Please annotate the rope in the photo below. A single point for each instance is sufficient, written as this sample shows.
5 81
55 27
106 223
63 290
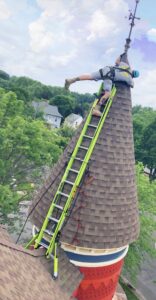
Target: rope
26 220
19 250
78 220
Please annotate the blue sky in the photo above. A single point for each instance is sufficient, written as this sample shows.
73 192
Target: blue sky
50 40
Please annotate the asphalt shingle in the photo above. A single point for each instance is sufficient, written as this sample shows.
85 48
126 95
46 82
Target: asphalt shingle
26 275
106 210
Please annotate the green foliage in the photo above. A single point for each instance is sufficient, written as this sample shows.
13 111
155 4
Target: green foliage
30 90
25 146
144 246
65 104
9 107
8 199
148 145
66 132
4 75
128 291
83 103
144 120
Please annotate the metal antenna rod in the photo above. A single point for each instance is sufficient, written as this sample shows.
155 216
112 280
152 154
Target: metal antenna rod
132 17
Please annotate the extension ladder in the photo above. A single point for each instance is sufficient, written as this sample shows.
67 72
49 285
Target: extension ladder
61 205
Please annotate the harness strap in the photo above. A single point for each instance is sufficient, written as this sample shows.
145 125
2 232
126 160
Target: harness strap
111 73
101 73
123 70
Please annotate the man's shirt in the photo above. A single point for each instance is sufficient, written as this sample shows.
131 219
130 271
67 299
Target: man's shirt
119 76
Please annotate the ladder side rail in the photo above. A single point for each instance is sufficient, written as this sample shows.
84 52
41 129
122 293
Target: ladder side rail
96 135
81 171
46 221
100 125
31 241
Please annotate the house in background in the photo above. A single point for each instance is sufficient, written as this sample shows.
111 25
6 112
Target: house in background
50 113
73 120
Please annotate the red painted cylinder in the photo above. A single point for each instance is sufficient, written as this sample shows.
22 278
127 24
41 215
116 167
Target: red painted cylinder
99 283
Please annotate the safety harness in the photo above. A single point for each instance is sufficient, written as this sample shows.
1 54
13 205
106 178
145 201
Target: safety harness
111 73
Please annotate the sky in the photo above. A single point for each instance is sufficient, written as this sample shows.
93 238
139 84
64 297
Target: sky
50 40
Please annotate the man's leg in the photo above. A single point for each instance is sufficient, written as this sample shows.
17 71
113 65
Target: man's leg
104 97
68 82
96 110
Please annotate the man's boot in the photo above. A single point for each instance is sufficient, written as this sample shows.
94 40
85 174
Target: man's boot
68 82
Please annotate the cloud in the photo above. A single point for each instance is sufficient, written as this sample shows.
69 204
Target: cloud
100 26
144 90
64 28
146 47
152 34
41 38
50 40
50 31
106 21
5 12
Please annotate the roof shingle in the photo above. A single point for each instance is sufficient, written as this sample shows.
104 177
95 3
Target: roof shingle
26 275
105 213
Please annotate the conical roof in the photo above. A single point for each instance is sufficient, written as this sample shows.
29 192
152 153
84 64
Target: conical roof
105 214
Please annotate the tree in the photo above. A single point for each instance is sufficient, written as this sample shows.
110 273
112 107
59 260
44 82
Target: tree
8 200
9 107
65 104
66 132
143 248
142 118
26 145
4 75
29 90
148 145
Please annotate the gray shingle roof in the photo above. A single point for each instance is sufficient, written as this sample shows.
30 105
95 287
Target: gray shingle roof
72 118
106 213
46 108
26 274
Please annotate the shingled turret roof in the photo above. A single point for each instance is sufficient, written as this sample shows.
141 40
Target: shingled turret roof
26 274
105 213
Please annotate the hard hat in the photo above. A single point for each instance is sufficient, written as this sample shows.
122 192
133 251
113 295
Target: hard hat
135 74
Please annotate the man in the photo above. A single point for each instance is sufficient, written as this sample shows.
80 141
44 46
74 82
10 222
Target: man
120 72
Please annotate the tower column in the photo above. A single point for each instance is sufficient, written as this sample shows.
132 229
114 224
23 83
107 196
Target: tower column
99 283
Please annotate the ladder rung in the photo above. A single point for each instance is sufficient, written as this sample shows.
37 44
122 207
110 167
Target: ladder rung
58 206
69 182
73 170
53 219
91 125
78 158
48 232
63 194
88 136
84 148
44 245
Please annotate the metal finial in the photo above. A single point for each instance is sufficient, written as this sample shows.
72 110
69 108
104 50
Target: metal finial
132 17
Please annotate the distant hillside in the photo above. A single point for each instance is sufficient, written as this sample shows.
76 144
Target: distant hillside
29 90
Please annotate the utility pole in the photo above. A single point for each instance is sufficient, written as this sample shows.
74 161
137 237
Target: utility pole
132 17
